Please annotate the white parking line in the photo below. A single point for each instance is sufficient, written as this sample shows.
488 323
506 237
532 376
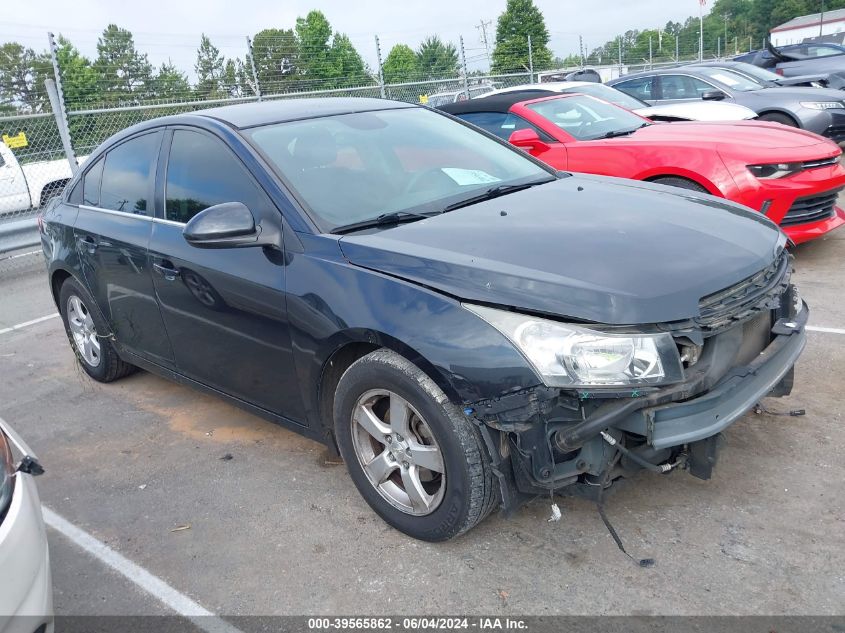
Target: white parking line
828 330
153 585
20 326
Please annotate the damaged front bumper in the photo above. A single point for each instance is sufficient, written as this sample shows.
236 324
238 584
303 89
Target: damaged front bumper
680 423
549 439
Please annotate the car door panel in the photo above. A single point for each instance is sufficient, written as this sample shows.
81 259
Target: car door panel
224 309
112 248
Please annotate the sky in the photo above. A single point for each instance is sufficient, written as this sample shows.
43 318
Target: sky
170 29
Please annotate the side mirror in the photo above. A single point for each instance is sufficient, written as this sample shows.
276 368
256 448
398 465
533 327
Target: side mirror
226 225
527 139
713 95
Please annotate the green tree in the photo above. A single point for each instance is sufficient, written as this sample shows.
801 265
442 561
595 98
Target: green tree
276 54
400 65
348 67
436 59
520 19
209 68
19 90
170 83
313 33
123 73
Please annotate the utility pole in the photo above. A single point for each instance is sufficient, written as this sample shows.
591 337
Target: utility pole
701 30
821 19
482 27
581 48
256 87
726 16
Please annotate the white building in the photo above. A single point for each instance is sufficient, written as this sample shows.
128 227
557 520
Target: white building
813 25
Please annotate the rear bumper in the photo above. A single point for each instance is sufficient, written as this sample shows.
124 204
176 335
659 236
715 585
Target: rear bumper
26 590
679 423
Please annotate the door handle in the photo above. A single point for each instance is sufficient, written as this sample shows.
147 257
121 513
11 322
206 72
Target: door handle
170 274
88 242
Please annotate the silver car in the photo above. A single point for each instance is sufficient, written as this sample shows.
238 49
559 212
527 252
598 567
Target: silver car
819 110
694 111
26 587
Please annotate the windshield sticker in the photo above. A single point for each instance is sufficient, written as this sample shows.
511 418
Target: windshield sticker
469 176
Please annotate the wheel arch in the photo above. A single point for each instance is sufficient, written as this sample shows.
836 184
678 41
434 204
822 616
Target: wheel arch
684 174
784 113
353 345
58 277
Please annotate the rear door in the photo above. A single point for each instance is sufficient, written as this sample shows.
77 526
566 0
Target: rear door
112 233
224 309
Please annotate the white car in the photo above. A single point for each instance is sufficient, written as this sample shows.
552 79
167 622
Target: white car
29 186
691 111
26 587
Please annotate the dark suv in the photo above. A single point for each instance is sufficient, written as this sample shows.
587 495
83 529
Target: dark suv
466 326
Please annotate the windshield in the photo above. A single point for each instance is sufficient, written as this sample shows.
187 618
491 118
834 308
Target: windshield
354 167
586 118
761 74
607 93
731 80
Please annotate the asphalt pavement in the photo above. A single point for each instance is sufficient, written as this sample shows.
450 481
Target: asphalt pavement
244 517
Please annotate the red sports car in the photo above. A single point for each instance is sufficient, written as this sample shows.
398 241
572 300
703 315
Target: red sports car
792 176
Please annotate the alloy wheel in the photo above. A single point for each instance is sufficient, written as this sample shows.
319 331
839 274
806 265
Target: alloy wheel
398 453
83 331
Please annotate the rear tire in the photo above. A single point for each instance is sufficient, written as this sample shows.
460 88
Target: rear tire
680 183
391 421
89 335
774 117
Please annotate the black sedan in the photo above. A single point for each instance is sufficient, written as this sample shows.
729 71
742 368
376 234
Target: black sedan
819 110
466 326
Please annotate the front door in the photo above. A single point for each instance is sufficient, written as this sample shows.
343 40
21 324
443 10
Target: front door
112 234
224 309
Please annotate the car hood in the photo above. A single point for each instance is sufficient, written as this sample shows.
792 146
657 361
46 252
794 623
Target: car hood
755 139
590 248
699 111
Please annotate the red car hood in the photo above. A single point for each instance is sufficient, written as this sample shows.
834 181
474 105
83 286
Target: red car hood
754 137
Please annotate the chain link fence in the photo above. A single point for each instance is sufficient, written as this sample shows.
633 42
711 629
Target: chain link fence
99 101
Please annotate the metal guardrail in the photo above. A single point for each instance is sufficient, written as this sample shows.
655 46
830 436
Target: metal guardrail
19 234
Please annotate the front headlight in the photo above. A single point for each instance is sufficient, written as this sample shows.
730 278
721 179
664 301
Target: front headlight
7 475
775 170
823 105
566 355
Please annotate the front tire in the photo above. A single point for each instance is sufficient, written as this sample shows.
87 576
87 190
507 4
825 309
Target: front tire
774 117
413 455
89 335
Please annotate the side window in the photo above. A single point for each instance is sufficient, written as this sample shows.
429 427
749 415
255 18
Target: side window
640 88
682 87
91 185
75 195
202 172
700 87
127 175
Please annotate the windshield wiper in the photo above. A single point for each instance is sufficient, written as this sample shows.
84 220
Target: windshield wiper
494 192
617 133
385 219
